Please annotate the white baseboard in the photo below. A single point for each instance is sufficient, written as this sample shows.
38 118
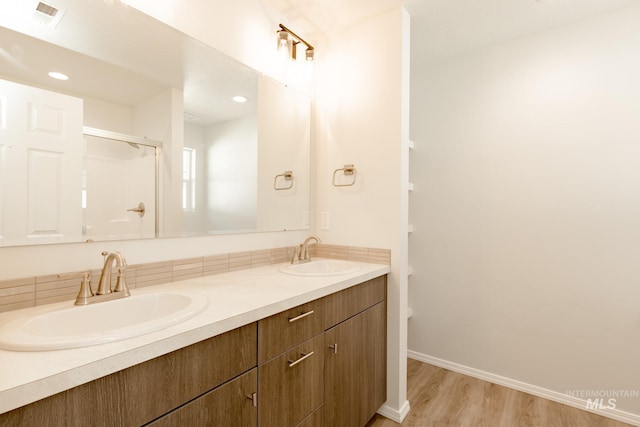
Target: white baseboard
555 396
395 414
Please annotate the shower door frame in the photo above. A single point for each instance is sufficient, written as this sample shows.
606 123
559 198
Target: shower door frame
156 145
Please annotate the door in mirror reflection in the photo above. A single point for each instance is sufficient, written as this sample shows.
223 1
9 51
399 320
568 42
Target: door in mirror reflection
40 165
119 189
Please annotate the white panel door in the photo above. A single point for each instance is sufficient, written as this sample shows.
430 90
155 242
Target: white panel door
41 153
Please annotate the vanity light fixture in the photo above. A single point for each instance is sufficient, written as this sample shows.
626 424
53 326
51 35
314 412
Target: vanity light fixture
240 98
288 42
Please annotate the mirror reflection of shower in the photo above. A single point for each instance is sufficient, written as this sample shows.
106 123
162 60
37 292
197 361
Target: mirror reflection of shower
120 174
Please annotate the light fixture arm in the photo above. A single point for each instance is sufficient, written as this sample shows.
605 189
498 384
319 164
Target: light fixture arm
298 39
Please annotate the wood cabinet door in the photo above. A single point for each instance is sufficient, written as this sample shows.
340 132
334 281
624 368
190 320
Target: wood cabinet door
355 368
231 404
291 386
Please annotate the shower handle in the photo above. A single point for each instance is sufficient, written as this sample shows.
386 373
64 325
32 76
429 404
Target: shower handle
140 209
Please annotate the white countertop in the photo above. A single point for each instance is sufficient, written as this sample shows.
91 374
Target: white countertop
235 299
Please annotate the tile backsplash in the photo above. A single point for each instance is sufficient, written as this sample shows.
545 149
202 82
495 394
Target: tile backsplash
28 292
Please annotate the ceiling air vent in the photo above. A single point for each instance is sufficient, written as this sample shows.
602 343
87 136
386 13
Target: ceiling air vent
47 9
48 14
188 117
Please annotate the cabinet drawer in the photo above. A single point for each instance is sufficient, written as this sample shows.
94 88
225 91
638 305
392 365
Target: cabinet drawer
291 386
231 404
351 301
287 329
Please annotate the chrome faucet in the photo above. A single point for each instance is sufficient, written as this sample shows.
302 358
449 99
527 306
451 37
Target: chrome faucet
301 253
104 291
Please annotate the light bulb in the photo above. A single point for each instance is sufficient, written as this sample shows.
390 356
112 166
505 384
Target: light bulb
283 40
309 53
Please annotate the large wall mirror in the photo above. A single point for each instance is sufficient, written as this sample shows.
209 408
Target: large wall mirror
153 134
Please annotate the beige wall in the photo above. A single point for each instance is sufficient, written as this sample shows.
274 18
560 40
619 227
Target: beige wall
527 209
360 96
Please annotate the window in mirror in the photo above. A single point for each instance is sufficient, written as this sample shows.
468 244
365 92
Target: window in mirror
188 179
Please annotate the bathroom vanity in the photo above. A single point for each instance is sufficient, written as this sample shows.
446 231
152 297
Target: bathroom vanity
270 349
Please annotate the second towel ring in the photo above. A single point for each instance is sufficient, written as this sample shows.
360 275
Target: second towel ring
347 170
288 176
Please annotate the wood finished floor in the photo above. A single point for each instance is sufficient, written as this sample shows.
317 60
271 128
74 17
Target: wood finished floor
442 398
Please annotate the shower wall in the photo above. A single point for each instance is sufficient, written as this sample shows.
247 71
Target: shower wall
117 177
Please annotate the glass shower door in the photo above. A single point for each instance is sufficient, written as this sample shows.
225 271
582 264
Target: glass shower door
119 189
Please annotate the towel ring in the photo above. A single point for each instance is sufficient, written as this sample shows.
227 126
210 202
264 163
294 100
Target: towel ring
288 176
347 170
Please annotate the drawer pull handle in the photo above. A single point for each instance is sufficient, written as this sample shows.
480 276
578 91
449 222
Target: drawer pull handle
303 315
304 356
335 348
253 397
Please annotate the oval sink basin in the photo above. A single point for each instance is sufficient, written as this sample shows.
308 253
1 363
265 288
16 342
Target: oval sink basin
99 323
321 267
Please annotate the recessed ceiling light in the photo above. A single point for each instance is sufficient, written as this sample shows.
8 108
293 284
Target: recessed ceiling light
58 76
240 98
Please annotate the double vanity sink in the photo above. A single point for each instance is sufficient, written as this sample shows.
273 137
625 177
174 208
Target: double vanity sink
95 340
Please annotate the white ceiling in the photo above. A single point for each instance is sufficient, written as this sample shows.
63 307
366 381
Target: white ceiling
445 27
315 18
